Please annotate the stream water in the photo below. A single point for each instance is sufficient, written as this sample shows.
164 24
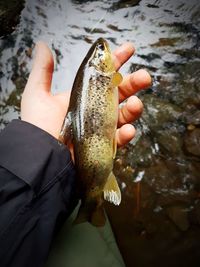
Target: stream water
158 222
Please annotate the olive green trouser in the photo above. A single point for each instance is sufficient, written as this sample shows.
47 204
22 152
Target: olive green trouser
84 245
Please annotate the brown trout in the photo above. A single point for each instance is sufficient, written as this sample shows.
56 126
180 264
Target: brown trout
91 125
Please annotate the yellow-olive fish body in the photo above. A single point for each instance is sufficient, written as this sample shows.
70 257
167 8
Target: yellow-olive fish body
92 122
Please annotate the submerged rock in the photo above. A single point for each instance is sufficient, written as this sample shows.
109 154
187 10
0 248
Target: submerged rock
191 127
179 216
9 15
170 141
192 118
184 89
124 3
163 176
166 42
192 142
158 112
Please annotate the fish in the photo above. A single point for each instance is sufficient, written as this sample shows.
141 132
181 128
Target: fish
90 125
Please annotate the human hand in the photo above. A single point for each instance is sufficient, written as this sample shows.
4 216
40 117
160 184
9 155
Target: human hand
47 111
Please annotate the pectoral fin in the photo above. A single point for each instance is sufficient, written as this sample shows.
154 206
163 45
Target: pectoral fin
66 131
116 79
111 190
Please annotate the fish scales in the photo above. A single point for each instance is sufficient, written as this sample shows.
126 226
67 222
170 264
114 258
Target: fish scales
92 121
94 155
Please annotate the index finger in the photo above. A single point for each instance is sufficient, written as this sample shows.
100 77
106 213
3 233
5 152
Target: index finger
134 82
122 54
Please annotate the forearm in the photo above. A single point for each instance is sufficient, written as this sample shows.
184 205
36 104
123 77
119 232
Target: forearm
37 185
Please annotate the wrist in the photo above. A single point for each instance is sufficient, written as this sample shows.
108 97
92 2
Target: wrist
43 125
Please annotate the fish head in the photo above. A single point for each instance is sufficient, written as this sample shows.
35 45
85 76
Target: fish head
100 57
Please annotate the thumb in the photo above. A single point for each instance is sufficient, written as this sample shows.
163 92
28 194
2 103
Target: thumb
63 98
41 74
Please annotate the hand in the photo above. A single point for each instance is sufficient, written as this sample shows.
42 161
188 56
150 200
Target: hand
47 111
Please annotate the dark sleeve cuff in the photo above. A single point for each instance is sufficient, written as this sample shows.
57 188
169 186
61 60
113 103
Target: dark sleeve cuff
33 155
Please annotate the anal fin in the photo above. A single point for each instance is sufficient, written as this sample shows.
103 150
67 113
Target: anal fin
111 190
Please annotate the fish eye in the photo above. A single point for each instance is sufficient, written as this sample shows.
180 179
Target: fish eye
101 46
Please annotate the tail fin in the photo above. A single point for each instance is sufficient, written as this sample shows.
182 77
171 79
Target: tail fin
94 216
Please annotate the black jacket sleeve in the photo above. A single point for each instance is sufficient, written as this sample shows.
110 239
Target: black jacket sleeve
37 193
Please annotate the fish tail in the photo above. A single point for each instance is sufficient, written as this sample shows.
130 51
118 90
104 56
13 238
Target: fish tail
98 217
95 216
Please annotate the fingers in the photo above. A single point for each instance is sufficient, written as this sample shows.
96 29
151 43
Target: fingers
125 134
122 54
130 111
41 74
133 83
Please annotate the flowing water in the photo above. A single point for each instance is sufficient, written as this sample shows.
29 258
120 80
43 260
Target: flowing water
158 222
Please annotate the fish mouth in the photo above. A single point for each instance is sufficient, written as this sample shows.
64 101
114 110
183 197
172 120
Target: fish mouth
101 45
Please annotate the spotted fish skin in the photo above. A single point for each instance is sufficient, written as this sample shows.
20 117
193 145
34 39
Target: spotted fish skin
92 117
